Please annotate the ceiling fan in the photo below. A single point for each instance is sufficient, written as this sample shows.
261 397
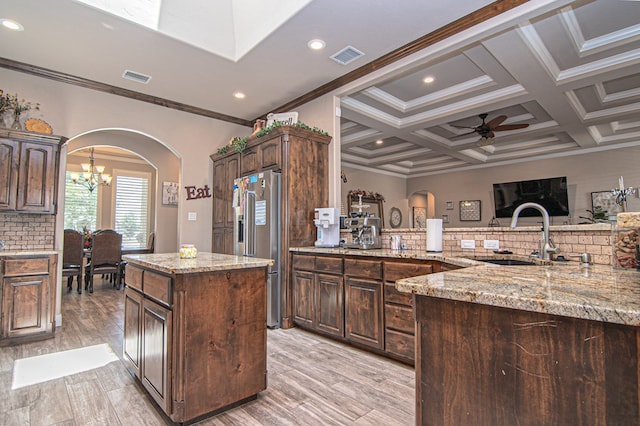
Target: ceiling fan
486 130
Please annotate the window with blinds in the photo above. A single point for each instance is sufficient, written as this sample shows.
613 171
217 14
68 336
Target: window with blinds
80 206
131 208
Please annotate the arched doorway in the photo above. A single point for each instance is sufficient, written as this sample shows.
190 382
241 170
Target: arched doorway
421 207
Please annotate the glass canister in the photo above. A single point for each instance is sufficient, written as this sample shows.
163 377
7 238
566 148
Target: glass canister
188 251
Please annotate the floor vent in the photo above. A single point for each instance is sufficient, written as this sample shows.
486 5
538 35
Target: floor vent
347 55
136 76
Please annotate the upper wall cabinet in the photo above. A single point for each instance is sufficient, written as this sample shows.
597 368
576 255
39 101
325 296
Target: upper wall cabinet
28 171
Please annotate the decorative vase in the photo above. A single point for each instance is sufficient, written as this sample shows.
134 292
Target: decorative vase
7 119
16 122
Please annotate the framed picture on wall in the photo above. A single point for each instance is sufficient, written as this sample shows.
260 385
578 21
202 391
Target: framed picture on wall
470 210
170 193
419 217
607 201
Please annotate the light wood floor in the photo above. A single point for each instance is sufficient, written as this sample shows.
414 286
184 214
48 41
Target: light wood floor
311 380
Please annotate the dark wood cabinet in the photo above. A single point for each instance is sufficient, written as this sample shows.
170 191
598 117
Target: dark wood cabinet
399 327
28 298
318 294
196 341
364 312
28 171
225 170
302 158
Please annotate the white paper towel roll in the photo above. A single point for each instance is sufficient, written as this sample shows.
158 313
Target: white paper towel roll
434 234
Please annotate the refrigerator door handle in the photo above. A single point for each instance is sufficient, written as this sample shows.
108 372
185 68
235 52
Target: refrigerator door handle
250 224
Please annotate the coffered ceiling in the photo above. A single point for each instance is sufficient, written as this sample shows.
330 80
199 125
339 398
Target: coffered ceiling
572 75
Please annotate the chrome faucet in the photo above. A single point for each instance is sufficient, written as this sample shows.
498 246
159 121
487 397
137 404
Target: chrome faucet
547 248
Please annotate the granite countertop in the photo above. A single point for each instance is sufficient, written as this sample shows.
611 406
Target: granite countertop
388 253
205 262
4 253
597 292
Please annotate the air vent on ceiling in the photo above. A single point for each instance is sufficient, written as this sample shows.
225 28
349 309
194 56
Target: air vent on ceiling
136 76
347 55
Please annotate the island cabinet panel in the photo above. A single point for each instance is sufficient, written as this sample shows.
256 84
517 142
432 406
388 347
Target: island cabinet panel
196 341
131 347
27 298
28 171
481 364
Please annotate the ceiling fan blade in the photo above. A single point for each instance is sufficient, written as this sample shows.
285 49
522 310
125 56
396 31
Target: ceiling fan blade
465 134
496 121
510 127
461 127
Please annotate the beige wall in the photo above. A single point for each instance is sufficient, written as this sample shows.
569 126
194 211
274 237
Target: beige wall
597 171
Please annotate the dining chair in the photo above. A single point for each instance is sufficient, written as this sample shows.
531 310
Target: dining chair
72 257
106 256
151 241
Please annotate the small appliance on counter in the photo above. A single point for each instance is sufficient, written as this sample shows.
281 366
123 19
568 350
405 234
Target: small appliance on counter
327 220
365 232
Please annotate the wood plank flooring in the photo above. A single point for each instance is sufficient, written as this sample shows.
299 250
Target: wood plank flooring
311 380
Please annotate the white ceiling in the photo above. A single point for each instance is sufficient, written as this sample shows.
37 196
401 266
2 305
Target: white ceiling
572 74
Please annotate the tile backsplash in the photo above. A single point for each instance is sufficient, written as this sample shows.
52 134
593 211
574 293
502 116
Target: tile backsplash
27 231
571 239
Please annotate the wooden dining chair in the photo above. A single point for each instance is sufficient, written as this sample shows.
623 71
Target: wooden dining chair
72 257
106 256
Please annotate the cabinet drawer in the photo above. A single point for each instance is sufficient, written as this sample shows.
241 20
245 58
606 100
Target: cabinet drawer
133 277
157 286
363 268
26 266
329 264
397 271
392 295
399 318
399 343
304 262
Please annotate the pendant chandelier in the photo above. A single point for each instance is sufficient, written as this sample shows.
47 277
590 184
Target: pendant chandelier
91 175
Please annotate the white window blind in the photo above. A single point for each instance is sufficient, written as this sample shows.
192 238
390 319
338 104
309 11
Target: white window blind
132 209
80 206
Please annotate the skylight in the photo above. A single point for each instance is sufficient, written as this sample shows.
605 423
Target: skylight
227 28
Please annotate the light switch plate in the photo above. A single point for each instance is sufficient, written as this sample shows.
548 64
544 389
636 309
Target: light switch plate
468 244
192 216
492 244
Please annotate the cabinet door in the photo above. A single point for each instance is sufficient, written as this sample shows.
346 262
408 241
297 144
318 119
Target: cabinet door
364 311
25 306
8 174
132 348
270 154
250 161
219 182
156 352
232 172
329 306
303 298
36 178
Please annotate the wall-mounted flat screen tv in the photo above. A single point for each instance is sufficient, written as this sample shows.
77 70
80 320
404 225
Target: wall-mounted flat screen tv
550 193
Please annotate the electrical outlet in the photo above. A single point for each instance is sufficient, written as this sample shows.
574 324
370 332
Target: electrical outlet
468 244
492 244
192 216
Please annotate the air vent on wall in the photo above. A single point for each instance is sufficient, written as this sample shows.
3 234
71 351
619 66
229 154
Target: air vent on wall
347 55
136 76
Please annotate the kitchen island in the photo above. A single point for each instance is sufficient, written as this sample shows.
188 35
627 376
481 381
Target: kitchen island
195 330
544 344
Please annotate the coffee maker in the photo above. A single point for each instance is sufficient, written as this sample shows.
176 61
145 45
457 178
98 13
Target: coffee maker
365 231
327 220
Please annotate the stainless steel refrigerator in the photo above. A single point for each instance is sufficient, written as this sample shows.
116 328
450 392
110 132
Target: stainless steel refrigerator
256 201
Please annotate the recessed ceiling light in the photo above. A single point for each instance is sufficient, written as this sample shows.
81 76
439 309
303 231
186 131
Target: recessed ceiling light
11 25
428 79
379 142
316 44
239 95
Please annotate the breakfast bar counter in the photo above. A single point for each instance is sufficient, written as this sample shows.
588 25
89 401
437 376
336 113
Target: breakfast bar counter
538 344
195 330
